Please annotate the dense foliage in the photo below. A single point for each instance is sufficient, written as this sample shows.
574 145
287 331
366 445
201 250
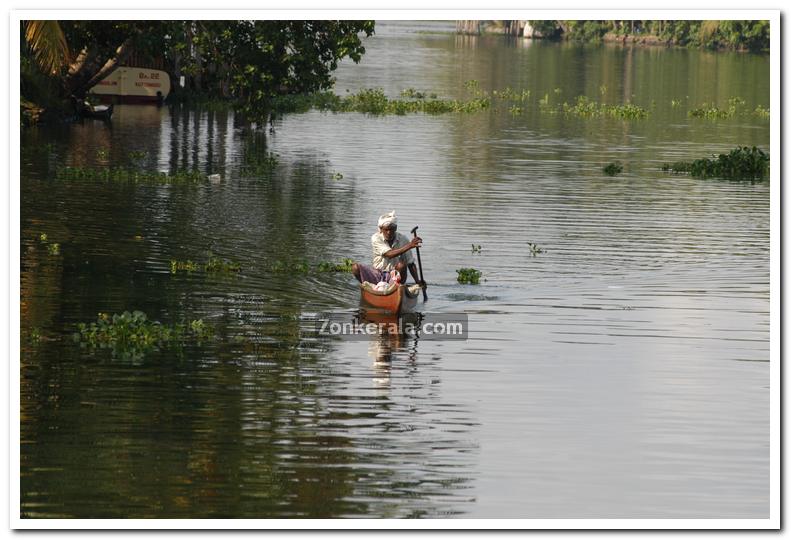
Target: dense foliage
248 62
741 163
740 35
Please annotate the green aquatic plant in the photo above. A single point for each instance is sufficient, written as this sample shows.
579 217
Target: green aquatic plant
132 334
761 112
515 110
126 175
611 169
603 89
711 112
740 163
508 94
534 249
290 267
221 266
182 266
675 103
412 93
102 153
337 176
53 248
34 336
476 249
584 107
344 266
374 101
137 154
468 275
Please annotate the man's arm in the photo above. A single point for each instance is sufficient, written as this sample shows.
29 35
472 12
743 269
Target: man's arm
415 242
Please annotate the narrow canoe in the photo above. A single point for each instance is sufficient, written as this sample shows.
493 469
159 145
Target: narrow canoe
101 112
396 299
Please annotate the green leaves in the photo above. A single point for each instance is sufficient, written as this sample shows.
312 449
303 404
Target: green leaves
468 275
611 169
131 334
741 163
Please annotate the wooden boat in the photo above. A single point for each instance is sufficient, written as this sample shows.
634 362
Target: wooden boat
100 112
395 299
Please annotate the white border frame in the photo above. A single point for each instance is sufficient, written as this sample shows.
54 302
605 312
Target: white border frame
772 522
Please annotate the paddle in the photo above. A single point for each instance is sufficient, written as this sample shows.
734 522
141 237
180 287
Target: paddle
420 265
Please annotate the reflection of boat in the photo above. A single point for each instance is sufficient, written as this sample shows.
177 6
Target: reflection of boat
100 112
389 320
395 299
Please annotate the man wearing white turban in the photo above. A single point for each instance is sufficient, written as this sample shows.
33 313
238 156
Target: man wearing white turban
391 251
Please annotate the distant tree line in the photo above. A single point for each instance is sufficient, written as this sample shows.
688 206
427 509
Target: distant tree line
736 35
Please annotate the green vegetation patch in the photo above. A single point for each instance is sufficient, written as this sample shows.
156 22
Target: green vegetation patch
132 334
587 108
344 266
121 174
611 169
183 266
53 248
300 266
221 266
761 111
468 275
740 164
215 265
374 101
713 112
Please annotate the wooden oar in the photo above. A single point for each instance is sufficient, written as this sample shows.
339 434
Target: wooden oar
420 265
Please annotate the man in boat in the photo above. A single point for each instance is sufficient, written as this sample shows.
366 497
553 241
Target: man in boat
391 251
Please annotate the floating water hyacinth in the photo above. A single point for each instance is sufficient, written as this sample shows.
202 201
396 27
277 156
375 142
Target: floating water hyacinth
468 275
132 334
217 265
183 266
344 266
126 175
611 169
740 163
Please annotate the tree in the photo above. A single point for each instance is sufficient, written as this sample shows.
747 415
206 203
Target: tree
256 61
251 62
48 45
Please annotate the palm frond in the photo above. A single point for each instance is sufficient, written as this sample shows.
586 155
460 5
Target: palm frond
48 43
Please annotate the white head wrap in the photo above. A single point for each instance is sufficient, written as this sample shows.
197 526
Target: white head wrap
388 219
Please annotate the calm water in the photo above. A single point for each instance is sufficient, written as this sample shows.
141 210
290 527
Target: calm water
622 373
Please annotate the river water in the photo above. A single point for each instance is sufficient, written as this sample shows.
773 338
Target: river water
623 372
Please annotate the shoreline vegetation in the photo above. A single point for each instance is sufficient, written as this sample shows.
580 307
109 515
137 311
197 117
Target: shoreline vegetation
732 35
258 68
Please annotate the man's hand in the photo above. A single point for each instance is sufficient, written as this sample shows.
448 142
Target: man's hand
415 242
